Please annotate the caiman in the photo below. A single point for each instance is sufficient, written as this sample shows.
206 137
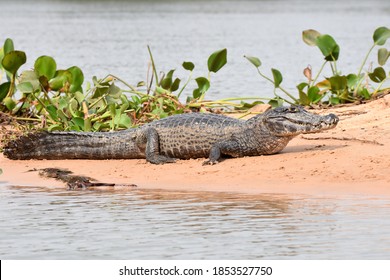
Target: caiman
192 135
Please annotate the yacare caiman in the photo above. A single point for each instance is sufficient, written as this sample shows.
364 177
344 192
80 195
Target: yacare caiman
193 135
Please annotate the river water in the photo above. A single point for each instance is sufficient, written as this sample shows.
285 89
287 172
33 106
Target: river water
111 37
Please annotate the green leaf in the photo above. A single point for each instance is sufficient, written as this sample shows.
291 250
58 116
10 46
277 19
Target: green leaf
301 86
217 60
114 91
79 97
254 60
276 102
45 66
25 87
77 79
124 121
188 65
328 47
175 85
55 127
378 75
310 37
383 55
365 94
52 110
31 77
203 86
13 60
60 80
4 88
9 103
8 46
338 83
1 171
166 83
278 78
79 122
352 80
381 35
313 94
303 98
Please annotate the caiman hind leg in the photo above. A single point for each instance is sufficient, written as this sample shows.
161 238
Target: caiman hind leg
152 152
231 148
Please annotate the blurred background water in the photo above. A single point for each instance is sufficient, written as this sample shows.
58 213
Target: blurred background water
105 37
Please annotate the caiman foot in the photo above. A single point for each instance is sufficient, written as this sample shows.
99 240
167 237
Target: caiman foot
210 162
159 159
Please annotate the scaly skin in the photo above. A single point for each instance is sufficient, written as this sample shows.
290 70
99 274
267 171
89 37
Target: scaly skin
178 137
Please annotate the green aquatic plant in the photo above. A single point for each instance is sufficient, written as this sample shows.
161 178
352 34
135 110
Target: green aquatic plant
337 88
59 100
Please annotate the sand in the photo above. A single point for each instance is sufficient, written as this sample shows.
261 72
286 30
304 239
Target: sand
352 159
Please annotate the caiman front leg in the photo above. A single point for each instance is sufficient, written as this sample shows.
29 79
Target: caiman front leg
152 152
231 148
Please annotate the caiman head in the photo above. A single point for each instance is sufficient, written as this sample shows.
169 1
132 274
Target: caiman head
294 120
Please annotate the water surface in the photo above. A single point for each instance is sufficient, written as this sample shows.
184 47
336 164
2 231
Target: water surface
42 223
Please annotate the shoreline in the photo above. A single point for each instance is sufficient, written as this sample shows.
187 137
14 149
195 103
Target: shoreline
353 158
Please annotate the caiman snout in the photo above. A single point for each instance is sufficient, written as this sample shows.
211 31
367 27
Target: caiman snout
331 119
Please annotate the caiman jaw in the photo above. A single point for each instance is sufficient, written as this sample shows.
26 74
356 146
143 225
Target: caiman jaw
302 122
325 123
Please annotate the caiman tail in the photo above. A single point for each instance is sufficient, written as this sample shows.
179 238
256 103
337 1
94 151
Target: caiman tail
73 145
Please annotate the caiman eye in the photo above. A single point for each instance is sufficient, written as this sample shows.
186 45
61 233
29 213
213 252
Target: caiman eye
293 109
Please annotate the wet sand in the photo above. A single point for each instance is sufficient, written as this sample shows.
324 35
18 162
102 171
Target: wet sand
353 158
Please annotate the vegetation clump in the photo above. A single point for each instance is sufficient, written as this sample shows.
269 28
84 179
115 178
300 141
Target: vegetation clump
338 88
54 98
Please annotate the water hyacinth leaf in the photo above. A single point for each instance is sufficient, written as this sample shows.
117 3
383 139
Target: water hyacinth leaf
175 85
77 79
338 83
25 87
31 77
73 107
166 83
302 86
8 46
276 102
188 65
60 80
203 86
9 103
383 55
79 97
217 60
310 37
381 35
13 60
365 93
378 75
328 47
114 91
52 110
352 80
313 94
124 121
4 88
78 123
170 73
62 103
254 60
45 66
325 84
278 78
303 98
